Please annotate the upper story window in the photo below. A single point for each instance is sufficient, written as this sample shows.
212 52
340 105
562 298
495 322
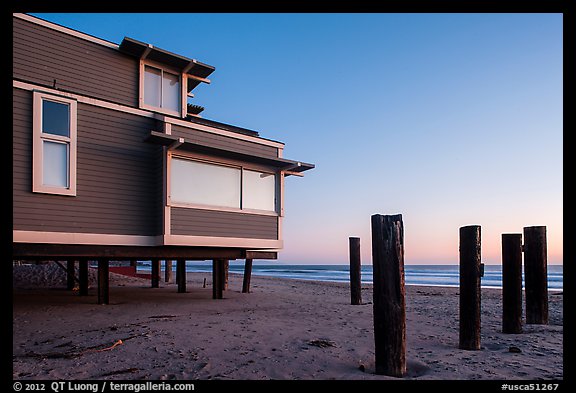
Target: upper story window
161 90
54 145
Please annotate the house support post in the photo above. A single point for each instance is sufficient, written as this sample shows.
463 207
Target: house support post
470 295
155 276
217 278
70 274
536 275
83 277
103 281
247 276
225 272
355 272
181 275
512 283
168 270
389 305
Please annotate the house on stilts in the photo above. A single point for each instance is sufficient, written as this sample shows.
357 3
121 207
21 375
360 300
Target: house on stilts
111 162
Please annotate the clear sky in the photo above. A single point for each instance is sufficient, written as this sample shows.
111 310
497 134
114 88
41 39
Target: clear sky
448 119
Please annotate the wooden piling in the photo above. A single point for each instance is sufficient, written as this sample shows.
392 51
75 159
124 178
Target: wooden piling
181 275
103 281
83 277
225 271
470 295
512 283
389 307
155 276
247 276
536 275
70 274
217 278
355 271
168 270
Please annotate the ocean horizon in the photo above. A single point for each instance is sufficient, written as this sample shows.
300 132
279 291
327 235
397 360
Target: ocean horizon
427 275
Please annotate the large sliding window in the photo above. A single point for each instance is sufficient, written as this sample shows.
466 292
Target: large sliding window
161 89
207 184
54 145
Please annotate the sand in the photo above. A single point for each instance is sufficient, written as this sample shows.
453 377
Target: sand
282 330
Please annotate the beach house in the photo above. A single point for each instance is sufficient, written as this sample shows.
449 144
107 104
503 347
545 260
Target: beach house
112 160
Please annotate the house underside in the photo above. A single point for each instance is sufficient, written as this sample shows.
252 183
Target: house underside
83 255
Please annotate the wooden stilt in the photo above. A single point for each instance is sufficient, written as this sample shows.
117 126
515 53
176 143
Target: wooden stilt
389 305
155 276
83 277
247 276
181 275
103 281
225 272
470 295
217 278
70 274
168 270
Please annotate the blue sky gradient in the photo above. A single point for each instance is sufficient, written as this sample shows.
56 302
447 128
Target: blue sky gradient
448 119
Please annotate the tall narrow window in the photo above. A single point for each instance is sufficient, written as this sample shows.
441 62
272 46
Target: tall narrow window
161 89
54 145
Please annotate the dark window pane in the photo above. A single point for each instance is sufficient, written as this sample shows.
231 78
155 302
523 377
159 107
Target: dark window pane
55 118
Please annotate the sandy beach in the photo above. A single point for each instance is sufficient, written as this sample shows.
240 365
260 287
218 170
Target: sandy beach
282 330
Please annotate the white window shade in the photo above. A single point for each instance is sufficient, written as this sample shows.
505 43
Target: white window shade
152 86
171 91
258 190
206 184
55 164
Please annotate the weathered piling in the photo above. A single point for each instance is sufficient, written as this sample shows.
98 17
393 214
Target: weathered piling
512 283
83 277
70 274
389 307
155 276
181 275
103 281
247 276
225 272
470 295
536 275
355 271
168 270
217 278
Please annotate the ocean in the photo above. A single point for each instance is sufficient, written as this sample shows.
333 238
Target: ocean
439 275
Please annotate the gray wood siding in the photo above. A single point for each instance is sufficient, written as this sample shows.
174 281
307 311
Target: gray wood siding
119 177
224 142
198 222
41 55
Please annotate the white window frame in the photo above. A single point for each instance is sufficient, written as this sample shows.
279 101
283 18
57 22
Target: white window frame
38 138
181 80
241 167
